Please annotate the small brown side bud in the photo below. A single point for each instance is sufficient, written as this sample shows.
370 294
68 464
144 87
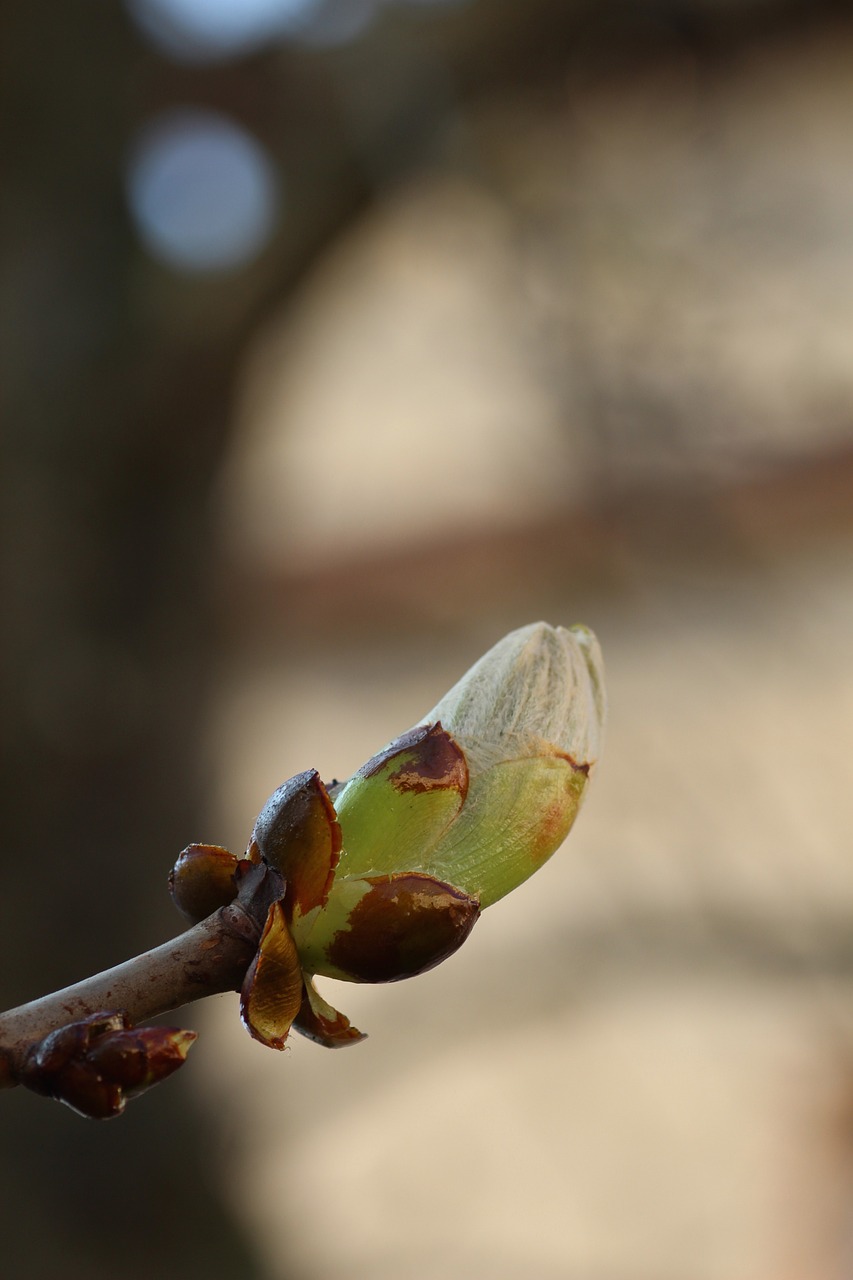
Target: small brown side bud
85 1091
95 1065
140 1057
49 1057
202 880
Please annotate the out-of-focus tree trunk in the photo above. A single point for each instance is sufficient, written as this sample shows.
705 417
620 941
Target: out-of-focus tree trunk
112 429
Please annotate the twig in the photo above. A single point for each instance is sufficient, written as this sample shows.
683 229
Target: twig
209 958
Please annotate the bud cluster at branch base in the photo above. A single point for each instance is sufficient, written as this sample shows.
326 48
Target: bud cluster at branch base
96 1064
388 880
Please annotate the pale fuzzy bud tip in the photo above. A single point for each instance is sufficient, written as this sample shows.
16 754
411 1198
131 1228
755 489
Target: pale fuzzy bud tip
538 685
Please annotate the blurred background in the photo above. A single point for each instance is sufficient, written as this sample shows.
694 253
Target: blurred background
340 337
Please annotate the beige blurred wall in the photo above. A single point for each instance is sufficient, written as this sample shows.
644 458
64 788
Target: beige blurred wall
604 375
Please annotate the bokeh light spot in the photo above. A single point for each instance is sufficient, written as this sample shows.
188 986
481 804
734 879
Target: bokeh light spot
202 191
337 22
206 30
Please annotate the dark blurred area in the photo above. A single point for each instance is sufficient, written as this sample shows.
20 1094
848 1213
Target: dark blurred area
178 178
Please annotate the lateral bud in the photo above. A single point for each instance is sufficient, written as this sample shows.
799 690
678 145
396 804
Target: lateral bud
203 879
95 1065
